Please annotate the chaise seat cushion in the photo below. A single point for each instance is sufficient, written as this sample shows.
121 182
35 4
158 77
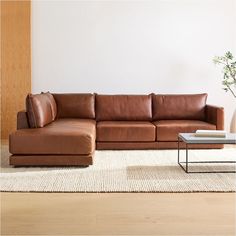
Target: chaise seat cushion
63 136
167 130
123 131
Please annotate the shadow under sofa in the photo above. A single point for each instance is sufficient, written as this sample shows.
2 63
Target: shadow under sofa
66 129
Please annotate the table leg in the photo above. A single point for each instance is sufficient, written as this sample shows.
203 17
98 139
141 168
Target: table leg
186 158
178 149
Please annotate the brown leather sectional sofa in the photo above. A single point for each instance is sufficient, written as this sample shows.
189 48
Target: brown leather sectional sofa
65 129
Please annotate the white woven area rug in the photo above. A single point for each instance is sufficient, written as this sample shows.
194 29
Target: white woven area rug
124 171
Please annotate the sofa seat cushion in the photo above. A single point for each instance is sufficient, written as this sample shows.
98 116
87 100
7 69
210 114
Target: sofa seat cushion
123 131
63 136
168 130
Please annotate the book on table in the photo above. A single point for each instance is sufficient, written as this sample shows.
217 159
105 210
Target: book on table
211 133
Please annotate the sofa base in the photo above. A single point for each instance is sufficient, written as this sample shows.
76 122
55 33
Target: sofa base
51 160
126 145
151 145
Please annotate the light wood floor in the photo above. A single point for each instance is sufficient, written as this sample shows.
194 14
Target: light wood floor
118 214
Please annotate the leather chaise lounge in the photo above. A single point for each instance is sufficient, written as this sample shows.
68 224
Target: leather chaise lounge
65 129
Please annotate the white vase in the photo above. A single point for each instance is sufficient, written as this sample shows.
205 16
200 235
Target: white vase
233 123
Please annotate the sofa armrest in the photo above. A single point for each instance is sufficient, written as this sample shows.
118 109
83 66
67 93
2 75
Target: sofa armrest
22 120
215 115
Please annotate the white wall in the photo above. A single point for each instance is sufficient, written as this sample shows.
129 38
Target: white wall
162 46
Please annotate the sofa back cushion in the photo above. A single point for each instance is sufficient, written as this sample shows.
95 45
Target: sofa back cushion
123 107
72 105
41 109
53 104
177 107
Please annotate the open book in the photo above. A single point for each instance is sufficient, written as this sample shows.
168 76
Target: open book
211 133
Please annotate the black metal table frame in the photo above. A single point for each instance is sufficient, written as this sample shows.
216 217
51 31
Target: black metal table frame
186 167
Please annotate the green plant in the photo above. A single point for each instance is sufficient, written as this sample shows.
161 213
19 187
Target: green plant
229 71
